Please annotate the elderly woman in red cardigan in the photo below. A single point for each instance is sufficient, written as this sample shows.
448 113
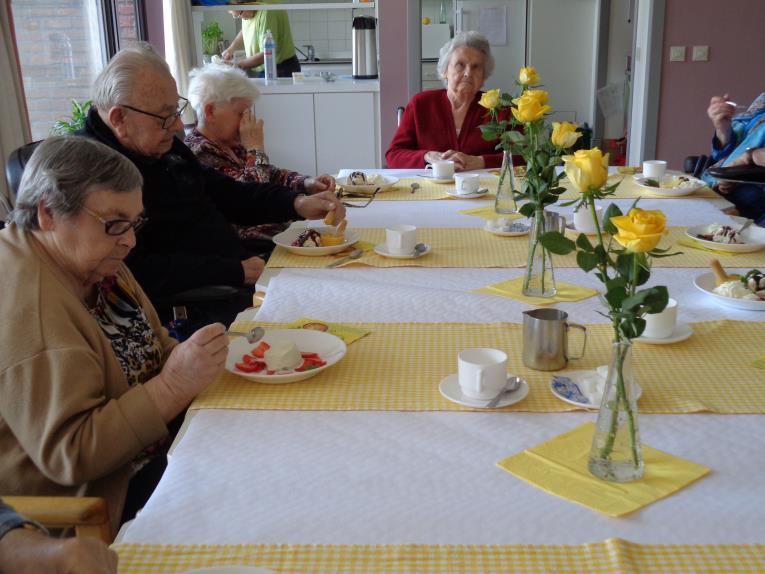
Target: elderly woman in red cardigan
443 124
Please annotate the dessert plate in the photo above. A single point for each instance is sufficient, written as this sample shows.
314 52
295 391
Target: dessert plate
382 249
480 193
682 332
569 387
285 239
329 348
706 282
515 229
754 239
450 389
688 189
382 182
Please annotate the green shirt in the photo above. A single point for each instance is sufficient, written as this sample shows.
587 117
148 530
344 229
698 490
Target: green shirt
254 34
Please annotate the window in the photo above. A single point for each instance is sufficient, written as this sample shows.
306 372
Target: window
63 45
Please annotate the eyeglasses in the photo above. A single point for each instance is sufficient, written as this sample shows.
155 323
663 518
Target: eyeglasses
118 226
341 193
167 121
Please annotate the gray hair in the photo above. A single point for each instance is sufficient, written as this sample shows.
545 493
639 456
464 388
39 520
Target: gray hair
219 84
470 39
117 80
63 171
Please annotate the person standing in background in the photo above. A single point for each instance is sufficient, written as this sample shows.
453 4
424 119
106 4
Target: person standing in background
252 37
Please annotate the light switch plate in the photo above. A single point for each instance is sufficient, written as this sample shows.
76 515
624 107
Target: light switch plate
700 53
677 53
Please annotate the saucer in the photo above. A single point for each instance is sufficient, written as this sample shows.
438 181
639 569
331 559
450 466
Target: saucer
435 179
481 192
566 387
515 229
450 389
681 333
382 249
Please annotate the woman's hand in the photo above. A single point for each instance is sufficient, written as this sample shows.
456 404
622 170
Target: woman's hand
463 161
318 205
253 267
720 112
251 132
190 368
319 183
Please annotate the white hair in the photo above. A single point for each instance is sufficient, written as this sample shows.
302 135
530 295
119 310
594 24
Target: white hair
117 80
219 84
470 39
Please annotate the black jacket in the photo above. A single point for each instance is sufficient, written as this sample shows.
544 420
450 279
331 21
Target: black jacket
188 241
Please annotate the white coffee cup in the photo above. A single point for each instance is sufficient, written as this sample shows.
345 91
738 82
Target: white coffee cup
401 239
466 183
654 169
583 220
661 325
482 372
442 168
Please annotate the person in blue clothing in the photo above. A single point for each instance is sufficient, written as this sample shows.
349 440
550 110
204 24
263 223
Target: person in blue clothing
739 140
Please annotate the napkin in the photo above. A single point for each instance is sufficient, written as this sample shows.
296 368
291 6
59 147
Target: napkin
696 245
512 290
559 466
590 383
488 212
345 332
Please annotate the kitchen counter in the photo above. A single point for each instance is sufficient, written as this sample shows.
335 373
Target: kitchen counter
313 85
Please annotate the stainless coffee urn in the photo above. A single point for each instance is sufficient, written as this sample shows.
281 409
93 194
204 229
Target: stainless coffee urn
364 48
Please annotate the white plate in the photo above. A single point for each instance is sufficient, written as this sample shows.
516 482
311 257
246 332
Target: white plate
706 282
450 389
753 236
516 228
231 570
682 332
435 179
565 386
285 239
480 193
382 249
329 347
670 191
385 182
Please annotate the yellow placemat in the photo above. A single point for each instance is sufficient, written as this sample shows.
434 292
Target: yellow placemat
430 190
398 367
629 189
449 247
559 466
512 290
488 212
610 556
347 333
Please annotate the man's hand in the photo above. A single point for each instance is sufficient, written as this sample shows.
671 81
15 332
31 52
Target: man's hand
721 113
319 183
253 267
251 132
318 205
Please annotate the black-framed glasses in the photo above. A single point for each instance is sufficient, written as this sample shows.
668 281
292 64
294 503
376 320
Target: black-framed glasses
167 121
118 226
341 194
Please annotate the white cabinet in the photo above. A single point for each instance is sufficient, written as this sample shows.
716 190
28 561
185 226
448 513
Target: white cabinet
317 133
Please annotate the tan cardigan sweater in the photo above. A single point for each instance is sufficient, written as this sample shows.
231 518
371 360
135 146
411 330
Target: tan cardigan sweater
69 422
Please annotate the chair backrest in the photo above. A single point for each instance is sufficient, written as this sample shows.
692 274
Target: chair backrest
14 168
88 515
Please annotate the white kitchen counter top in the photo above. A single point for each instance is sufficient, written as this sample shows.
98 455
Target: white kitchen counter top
316 85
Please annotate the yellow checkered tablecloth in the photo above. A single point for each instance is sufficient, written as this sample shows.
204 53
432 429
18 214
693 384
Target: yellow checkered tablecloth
612 555
629 189
449 247
398 367
430 190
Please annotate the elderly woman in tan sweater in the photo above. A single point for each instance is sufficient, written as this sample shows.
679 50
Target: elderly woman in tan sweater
89 379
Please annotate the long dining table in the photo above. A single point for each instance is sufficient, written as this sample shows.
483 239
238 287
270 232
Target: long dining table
367 468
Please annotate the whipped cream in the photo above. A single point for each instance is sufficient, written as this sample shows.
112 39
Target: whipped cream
735 289
282 355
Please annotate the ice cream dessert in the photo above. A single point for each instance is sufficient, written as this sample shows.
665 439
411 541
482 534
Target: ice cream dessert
755 282
735 289
282 355
721 234
308 238
750 287
361 178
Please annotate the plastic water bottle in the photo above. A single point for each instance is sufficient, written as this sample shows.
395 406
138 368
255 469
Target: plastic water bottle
269 56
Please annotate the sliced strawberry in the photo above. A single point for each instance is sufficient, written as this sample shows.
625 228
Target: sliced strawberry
246 367
259 351
310 355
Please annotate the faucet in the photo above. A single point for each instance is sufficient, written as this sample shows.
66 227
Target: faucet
311 56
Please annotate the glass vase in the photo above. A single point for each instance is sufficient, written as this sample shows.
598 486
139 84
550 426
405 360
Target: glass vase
539 280
505 202
615 454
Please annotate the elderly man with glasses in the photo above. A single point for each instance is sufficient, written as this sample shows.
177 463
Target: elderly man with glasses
188 242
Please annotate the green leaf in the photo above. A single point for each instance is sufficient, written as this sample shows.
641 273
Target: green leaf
651 300
615 297
527 209
583 243
587 261
611 211
556 243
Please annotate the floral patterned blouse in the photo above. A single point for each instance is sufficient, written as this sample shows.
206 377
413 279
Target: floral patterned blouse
248 167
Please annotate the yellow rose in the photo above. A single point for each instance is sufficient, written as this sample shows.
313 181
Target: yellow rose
564 134
540 95
640 231
528 76
587 169
530 107
490 99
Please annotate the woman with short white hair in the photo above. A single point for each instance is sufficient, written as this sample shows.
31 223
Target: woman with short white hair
445 124
229 138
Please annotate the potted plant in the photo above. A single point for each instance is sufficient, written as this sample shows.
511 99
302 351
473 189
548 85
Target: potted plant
211 35
76 122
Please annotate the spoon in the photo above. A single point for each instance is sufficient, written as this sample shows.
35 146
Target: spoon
415 186
743 227
512 384
355 254
420 249
252 336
